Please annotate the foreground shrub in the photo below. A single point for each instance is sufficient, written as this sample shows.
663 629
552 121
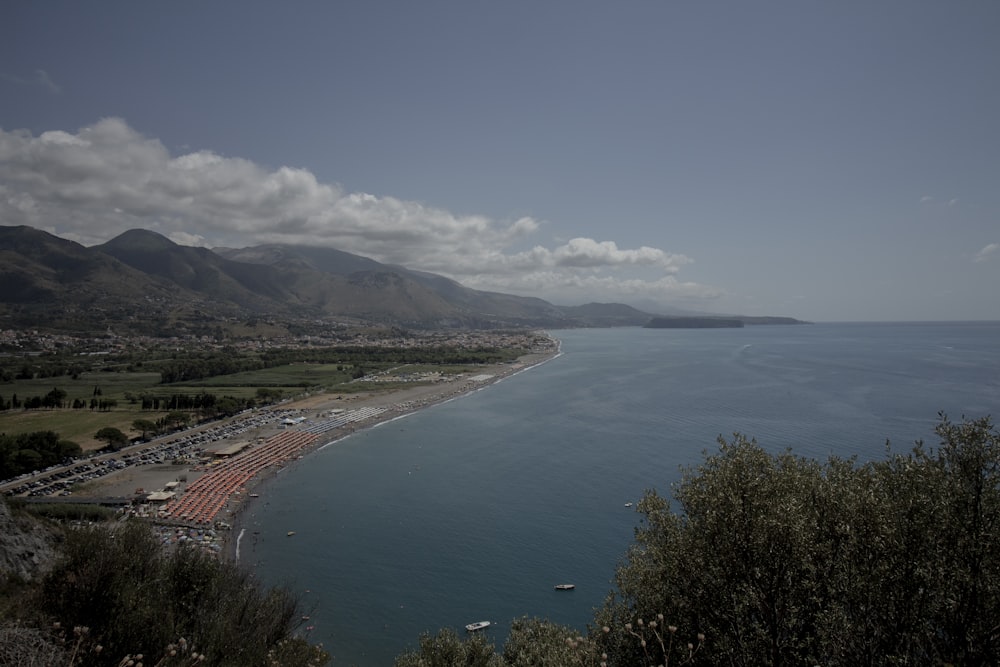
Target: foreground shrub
447 649
133 598
29 647
534 642
781 560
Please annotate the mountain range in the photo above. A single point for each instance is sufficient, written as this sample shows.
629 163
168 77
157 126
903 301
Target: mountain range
140 282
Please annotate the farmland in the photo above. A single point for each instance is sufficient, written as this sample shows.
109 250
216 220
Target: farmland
77 395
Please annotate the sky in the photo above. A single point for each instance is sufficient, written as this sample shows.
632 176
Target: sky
830 161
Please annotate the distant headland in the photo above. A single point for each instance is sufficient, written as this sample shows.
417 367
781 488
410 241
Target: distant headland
710 322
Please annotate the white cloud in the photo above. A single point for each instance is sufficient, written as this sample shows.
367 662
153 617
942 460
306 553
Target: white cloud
107 178
569 287
183 238
986 252
582 252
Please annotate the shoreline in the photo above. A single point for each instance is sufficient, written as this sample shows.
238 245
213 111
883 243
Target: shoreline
398 404
206 504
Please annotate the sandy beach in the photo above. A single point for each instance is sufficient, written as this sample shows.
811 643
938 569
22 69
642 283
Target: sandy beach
388 404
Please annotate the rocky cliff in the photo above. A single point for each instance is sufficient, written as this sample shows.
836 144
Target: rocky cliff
26 546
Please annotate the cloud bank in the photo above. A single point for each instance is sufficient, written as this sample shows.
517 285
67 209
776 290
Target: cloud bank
107 178
986 252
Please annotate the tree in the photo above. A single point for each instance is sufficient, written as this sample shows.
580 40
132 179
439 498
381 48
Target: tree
175 418
112 436
268 394
533 642
54 399
25 452
781 560
226 406
446 649
135 597
144 426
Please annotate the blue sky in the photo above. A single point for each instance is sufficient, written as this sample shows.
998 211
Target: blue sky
830 161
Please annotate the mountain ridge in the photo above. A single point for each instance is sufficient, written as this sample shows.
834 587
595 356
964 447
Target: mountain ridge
142 282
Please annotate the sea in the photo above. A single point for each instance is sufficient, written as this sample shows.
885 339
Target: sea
476 508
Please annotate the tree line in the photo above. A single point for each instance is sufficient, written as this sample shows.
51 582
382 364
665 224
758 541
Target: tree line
26 452
27 371
193 364
56 399
198 366
205 402
202 402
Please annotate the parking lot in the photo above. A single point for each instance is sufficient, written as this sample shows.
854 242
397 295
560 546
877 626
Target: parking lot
187 447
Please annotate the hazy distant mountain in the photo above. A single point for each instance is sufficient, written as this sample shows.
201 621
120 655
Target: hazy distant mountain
607 314
141 281
439 298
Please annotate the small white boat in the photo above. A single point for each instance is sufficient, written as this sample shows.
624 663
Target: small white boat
478 625
565 587
628 504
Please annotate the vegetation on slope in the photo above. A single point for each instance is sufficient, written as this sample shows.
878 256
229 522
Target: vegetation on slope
117 592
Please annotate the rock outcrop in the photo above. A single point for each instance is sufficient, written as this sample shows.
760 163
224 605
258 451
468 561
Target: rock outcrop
26 546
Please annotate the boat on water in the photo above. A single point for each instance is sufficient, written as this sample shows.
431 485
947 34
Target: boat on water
628 504
565 587
478 625
291 532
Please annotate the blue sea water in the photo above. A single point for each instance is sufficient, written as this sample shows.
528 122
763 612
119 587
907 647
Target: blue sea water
474 509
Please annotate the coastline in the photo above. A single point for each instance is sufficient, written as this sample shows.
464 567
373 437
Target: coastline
206 504
396 404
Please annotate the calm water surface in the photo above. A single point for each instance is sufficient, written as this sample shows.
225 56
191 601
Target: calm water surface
472 510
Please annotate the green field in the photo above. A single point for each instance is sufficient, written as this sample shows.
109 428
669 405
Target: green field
110 385
125 388
76 425
293 375
80 425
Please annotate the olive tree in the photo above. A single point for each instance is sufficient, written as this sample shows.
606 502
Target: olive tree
113 436
779 560
145 427
535 642
447 649
532 642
